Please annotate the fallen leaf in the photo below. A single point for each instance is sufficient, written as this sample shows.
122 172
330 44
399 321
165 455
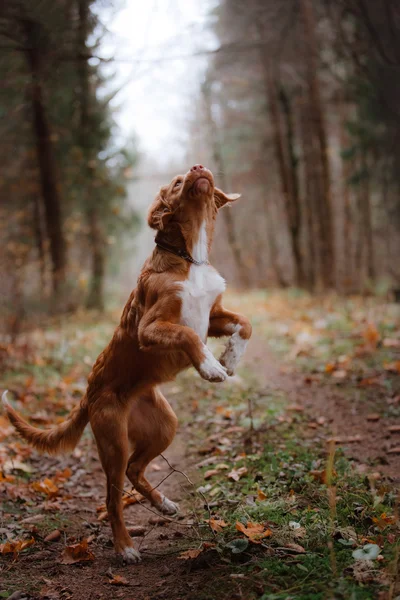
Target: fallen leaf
345 440
210 473
188 554
383 521
371 336
63 475
118 580
339 374
395 450
216 524
322 476
254 531
127 500
391 429
76 553
260 495
15 546
47 486
373 417
236 474
16 465
296 548
392 367
295 407
53 536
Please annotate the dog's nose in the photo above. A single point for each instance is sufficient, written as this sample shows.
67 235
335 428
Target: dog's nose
197 168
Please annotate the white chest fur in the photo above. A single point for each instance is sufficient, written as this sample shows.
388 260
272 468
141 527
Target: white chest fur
198 294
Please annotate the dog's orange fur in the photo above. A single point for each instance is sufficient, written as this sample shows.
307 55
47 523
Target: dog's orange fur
131 420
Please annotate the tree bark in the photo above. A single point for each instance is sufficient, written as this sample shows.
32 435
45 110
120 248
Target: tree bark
295 208
321 161
40 241
46 158
96 294
233 241
286 163
310 193
96 238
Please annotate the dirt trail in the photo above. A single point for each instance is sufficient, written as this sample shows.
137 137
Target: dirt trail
346 416
161 575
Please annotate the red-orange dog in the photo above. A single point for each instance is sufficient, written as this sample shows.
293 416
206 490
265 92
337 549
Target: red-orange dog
163 330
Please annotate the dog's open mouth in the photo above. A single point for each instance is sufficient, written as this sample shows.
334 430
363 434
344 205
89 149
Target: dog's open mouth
202 186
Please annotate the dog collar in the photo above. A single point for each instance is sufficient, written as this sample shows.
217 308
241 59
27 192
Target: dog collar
182 253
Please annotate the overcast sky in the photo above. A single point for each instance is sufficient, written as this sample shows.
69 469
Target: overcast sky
156 97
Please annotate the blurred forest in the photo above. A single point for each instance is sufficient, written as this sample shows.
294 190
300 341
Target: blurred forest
301 104
63 178
298 109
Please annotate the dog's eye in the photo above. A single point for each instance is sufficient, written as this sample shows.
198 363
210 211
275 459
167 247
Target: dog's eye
177 184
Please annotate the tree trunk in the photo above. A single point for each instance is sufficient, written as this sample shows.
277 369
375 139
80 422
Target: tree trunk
233 241
40 242
97 243
286 162
321 161
367 213
310 193
295 208
45 156
347 216
96 293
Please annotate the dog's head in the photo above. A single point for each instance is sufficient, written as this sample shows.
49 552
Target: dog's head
187 203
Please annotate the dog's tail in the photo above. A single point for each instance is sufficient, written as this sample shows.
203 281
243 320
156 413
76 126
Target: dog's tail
59 439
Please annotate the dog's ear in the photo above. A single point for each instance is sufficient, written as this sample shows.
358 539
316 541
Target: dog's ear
221 199
159 212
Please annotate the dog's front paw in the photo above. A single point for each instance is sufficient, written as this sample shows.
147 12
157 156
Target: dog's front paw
129 555
167 507
210 369
233 352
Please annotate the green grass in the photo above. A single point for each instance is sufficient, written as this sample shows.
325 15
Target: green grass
333 520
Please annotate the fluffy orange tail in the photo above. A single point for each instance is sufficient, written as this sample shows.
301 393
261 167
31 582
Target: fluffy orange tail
59 439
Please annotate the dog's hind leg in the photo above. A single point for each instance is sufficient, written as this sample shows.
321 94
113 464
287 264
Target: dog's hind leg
151 428
111 434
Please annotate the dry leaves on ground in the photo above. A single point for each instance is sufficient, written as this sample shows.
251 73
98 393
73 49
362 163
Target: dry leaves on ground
256 532
76 553
216 524
15 546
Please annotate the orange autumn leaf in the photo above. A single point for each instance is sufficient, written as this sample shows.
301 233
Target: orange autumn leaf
254 531
392 367
47 486
127 500
76 553
330 367
383 521
371 335
7 478
15 546
217 524
62 475
323 476
188 554
261 495
118 580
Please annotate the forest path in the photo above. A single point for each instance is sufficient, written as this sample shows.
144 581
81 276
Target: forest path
213 425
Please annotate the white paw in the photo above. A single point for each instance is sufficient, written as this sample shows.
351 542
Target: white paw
210 369
233 352
129 555
167 507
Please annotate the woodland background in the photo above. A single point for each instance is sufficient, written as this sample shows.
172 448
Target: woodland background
297 108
